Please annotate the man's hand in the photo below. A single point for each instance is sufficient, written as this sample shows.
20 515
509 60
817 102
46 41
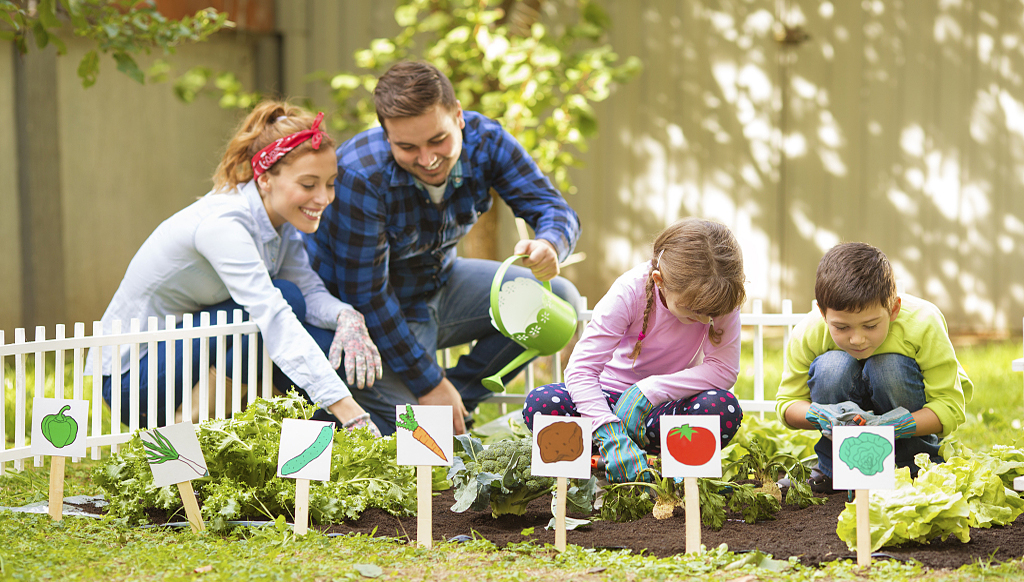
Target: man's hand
445 394
543 259
362 360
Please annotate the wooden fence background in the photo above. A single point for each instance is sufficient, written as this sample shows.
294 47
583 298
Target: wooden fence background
899 123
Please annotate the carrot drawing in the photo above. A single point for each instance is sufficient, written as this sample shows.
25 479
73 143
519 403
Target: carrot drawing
407 420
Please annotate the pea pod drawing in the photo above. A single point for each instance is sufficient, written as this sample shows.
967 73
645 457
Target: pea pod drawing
299 462
60 430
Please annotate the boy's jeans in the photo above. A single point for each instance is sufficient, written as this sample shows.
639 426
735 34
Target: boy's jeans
878 384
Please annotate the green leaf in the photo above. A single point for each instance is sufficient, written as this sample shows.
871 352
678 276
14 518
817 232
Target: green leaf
406 15
39 33
369 570
127 65
571 523
46 9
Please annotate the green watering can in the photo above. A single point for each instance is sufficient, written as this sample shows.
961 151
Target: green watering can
531 315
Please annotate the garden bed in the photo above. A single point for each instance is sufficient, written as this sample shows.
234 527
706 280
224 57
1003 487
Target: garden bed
809 534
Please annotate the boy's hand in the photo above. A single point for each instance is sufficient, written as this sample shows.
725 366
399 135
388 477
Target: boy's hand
826 416
899 418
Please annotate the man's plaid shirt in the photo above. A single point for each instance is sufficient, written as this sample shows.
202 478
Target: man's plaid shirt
385 248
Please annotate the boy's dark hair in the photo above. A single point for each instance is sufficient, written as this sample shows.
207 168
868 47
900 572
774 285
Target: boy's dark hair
853 277
410 89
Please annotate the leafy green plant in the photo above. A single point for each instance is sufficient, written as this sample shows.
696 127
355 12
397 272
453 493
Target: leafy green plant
540 79
120 28
632 500
625 503
970 489
499 476
767 469
241 455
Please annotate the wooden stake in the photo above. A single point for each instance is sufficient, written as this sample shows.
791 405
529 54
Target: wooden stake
562 490
56 488
692 509
424 509
301 506
188 499
863 527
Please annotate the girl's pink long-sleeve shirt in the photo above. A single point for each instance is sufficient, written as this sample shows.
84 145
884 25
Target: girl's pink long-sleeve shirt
677 361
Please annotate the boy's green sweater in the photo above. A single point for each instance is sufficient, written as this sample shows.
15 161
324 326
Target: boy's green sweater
919 332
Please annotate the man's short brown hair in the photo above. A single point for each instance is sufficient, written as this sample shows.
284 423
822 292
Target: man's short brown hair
853 277
410 89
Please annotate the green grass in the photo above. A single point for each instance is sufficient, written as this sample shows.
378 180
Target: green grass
34 548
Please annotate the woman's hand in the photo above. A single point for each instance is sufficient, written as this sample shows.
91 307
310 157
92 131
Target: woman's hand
362 360
352 416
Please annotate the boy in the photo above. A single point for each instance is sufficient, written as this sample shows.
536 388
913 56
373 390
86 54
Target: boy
872 358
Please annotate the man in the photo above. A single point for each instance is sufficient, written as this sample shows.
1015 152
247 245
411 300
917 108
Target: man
406 193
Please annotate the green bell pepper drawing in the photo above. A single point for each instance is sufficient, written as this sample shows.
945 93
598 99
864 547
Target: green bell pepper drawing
60 430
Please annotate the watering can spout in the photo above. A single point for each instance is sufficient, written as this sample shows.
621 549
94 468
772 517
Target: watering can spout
530 314
494 383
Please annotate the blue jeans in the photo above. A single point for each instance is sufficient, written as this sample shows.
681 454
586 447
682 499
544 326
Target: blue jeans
459 314
291 294
879 383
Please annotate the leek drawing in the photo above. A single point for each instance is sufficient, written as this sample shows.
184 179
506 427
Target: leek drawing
163 450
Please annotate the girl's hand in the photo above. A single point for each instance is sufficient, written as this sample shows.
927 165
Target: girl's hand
362 360
633 408
624 460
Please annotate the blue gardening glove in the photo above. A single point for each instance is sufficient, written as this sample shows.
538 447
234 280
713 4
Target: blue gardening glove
826 416
899 418
633 408
624 460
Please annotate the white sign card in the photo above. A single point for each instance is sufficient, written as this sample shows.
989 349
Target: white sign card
174 454
425 435
305 451
561 446
863 457
691 446
59 427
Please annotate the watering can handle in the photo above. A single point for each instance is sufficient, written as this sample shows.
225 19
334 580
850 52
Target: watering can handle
496 287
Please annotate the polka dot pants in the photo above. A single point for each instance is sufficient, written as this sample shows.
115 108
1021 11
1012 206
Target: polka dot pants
554 399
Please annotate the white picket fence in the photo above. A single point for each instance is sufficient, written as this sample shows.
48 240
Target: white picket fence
20 350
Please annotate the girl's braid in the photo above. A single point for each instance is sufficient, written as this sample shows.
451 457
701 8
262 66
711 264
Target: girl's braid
647 314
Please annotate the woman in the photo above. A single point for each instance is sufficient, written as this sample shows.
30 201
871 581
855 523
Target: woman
240 247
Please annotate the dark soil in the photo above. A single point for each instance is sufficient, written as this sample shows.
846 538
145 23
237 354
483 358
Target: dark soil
809 534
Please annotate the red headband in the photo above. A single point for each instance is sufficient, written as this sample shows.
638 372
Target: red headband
270 155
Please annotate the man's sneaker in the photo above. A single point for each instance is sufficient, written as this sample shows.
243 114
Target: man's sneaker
819 482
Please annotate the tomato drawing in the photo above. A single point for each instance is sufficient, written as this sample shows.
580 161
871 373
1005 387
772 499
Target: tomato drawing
691 445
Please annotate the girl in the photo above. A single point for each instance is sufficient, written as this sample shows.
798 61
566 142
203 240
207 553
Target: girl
665 339
240 247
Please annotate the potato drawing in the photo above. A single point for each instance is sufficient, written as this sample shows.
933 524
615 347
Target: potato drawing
560 441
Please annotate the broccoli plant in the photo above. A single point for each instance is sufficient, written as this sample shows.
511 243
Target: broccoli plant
498 476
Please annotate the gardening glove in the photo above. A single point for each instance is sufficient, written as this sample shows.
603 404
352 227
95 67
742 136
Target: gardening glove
362 360
624 460
633 408
362 421
826 416
899 418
